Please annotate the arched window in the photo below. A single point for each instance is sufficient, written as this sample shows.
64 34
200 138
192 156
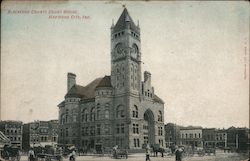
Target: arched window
92 114
67 115
160 116
98 111
62 119
106 114
74 118
120 112
135 49
135 111
83 115
86 115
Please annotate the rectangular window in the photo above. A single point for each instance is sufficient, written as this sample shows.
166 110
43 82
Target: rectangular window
83 131
87 131
66 132
122 128
136 142
61 133
92 130
98 129
74 118
137 128
160 132
117 128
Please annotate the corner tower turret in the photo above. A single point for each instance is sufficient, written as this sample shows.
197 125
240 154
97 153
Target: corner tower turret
125 55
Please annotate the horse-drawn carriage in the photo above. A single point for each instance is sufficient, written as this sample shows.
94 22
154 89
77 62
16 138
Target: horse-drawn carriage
47 153
157 149
210 150
119 153
10 153
200 151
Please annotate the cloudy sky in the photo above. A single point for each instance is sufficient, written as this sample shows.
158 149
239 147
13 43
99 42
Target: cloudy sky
197 53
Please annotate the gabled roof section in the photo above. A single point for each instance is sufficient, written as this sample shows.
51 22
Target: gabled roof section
158 99
105 82
84 92
88 92
121 23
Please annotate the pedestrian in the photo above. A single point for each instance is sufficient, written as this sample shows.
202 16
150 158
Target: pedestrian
18 156
162 152
147 153
72 155
178 154
115 148
31 155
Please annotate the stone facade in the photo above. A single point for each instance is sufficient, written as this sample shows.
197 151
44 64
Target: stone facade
119 109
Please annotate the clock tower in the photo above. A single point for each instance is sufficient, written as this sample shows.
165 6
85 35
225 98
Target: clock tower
125 55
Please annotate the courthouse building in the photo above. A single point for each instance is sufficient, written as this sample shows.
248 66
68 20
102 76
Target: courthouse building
117 109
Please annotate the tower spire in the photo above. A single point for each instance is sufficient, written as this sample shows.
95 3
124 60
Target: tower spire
123 20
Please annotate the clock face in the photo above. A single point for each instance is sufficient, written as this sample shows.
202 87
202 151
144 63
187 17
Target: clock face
119 50
134 51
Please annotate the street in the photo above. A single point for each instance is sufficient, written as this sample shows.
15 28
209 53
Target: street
220 156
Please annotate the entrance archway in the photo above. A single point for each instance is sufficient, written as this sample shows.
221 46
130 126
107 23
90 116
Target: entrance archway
149 127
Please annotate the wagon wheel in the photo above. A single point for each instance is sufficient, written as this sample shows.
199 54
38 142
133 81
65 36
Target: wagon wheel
47 158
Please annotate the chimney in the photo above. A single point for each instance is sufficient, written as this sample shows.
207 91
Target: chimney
71 80
147 77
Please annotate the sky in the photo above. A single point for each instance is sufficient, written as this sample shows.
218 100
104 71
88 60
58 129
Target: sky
197 53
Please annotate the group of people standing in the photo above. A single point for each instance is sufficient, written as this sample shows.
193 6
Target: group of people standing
178 153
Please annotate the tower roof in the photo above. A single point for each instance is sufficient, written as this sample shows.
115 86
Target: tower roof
121 23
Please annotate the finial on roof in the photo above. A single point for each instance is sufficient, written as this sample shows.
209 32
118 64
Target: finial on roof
138 23
112 22
124 6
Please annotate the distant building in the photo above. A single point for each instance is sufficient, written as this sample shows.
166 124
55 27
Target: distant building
13 131
208 136
221 138
237 138
172 134
191 136
40 133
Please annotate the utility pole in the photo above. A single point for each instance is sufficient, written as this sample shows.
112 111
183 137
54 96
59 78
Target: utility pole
237 141
225 140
